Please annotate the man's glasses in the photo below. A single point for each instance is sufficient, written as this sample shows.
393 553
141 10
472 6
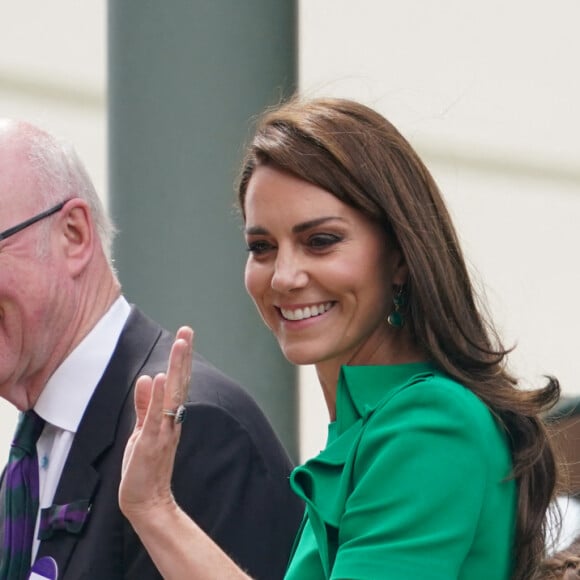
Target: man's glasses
18 228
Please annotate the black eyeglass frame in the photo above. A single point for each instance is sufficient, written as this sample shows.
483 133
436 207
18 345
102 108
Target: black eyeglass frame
21 226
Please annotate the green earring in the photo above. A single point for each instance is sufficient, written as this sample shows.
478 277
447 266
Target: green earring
396 318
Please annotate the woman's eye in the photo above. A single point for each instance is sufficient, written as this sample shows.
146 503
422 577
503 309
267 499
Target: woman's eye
321 241
259 247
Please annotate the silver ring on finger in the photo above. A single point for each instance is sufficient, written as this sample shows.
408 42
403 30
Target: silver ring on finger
177 414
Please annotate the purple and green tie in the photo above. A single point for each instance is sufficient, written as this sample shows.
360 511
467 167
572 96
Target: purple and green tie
19 494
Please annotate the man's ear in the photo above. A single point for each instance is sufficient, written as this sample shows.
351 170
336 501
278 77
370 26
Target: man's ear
77 235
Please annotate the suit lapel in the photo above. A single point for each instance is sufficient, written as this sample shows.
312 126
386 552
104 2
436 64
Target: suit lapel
98 427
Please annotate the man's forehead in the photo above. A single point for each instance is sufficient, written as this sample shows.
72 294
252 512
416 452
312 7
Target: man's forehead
13 153
18 181
12 169
17 187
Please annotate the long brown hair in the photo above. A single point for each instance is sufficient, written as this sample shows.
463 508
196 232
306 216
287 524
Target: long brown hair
357 155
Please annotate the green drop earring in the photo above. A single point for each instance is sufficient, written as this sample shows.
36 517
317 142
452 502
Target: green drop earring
397 318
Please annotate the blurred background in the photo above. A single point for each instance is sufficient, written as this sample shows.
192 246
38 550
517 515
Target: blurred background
158 99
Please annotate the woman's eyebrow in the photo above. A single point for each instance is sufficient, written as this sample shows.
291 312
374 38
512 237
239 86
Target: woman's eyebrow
297 229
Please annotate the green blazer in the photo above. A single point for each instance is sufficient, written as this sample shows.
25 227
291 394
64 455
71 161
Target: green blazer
414 481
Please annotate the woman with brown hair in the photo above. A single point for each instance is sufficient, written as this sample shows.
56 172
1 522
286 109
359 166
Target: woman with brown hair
436 461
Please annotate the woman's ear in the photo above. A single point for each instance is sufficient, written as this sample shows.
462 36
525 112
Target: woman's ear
77 235
400 269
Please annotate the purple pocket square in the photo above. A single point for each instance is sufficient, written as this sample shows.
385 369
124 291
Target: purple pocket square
69 517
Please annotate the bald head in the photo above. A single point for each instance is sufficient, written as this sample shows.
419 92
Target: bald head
41 171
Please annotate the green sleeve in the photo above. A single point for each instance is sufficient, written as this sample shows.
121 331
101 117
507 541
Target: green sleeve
420 480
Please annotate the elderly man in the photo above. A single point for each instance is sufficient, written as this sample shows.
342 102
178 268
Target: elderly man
71 348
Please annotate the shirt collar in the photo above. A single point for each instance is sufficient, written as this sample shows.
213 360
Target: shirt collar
67 393
360 389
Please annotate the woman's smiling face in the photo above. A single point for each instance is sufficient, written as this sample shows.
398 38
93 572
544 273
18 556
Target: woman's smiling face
319 271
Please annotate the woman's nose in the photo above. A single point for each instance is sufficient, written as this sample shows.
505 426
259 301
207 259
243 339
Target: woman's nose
289 273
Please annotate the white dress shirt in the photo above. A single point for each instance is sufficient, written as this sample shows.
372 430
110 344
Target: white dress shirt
65 397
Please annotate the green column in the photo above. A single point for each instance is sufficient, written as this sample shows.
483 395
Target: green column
185 79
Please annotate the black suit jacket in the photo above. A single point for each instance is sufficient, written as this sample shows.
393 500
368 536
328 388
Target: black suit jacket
231 473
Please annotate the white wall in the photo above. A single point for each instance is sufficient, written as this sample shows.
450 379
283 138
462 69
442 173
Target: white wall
52 73
487 93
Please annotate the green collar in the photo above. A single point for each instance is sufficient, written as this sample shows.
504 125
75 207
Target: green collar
360 389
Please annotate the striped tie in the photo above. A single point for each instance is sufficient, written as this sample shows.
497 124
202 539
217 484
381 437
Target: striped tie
19 494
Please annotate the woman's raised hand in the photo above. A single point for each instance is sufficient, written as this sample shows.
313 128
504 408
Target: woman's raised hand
150 451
